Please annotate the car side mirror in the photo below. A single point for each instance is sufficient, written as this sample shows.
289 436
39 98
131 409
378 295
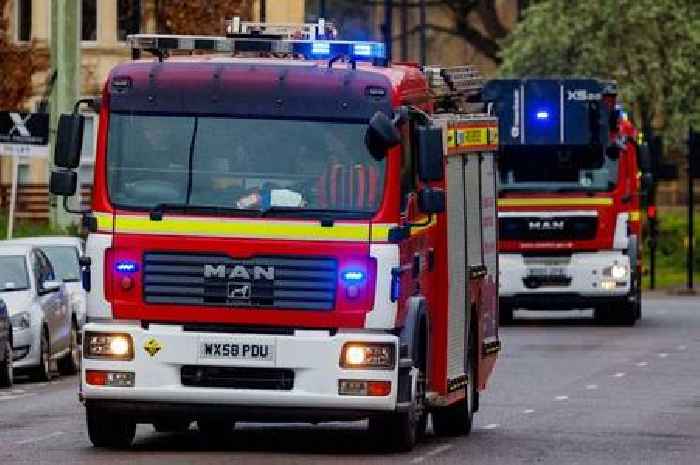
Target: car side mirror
50 286
381 135
431 165
431 200
69 141
63 183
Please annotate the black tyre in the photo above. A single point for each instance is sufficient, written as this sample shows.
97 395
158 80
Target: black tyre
70 364
109 431
172 425
457 419
43 371
401 431
505 315
6 374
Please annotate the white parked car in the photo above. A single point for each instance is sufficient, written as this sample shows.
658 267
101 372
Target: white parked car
43 333
64 252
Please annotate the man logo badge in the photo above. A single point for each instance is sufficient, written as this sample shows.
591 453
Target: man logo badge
239 279
546 225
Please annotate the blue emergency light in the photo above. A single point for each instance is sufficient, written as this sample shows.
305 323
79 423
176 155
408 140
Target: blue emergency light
542 115
127 266
353 276
320 48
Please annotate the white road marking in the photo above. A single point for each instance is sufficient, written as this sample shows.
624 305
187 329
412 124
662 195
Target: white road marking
681 347
619 374
18 391
18 396
642 364
561 398
41 438
663 355
528 410
592 387
430 453
492 426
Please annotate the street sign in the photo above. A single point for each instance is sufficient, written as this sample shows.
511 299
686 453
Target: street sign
24 128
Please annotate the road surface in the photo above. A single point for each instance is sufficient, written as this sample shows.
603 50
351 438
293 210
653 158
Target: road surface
565 391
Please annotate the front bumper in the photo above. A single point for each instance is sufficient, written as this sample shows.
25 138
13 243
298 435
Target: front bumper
580 282
313 356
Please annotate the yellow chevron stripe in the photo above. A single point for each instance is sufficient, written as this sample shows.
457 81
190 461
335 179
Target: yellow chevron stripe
555 202
247 229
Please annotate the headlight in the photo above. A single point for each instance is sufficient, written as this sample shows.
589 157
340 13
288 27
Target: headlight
21 320
108 346
616 271
368 355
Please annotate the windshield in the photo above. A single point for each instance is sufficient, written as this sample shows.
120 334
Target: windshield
557 169
241 164
13 273
65 262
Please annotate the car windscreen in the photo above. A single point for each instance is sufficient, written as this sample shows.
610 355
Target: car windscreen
557 169
13 273
65 262
238 163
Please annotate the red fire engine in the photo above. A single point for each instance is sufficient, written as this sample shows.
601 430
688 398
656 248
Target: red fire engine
292 229
570 189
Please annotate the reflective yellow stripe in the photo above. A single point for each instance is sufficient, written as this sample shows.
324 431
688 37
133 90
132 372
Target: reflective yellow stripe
635 215
544 202
248 229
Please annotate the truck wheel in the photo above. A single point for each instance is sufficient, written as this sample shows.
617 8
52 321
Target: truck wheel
109 431
6 376
43 371
627 314
172 425
505 315
457 419
401 431
70 364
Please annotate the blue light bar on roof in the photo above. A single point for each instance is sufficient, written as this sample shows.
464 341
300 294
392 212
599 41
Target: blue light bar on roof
320 48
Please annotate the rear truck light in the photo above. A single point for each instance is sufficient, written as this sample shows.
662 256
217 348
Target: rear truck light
110 378
112 346
372 355
359 387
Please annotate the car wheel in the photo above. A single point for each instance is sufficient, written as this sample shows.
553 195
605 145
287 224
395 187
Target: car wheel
43 371
70 364
6 375
215 429
109 431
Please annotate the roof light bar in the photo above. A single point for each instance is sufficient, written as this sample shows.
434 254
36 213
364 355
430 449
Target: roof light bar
309 49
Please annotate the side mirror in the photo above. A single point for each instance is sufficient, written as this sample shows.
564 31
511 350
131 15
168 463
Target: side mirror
63 183
69 141
431 166
431 200
50 286
381 135
644 158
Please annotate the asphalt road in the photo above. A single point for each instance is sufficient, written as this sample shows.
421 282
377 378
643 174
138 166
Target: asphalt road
564 392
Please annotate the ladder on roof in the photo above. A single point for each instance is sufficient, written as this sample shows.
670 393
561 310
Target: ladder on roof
456 88
321 30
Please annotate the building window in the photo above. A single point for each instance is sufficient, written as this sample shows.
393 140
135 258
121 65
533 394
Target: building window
24 20
88 20
128 18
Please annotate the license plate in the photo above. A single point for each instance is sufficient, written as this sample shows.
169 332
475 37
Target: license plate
236 350
546 271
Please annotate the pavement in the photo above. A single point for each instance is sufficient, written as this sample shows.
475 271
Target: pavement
565 391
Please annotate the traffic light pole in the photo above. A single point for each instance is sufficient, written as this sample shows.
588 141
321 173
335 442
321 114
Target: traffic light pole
65 61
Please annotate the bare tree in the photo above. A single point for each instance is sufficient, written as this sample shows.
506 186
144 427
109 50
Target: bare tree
199 17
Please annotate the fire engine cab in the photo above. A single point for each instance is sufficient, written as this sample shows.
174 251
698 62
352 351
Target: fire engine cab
569 198
286 227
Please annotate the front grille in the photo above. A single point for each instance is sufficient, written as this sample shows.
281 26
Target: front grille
534 228
270 379
272 282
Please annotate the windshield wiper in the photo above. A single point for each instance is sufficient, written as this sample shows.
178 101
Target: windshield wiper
156 212
323 214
